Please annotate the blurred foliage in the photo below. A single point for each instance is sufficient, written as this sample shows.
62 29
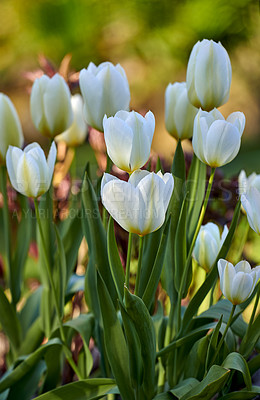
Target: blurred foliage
152 40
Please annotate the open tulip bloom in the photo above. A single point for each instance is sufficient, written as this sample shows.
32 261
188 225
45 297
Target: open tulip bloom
140 204
29 171
237 283
105 91
128 137
216 141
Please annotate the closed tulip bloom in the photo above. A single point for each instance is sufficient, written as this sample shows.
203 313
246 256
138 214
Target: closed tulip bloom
245 183
128 137
237 283
216 141
208 244
10 127
29 171
251 204
77 132
50 102
179 112
208 75
105 91
139 205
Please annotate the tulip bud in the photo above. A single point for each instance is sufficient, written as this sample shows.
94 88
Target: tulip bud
208 75
251 204
237 283
179 112
216 141
128 137
77 132
139 205
50 105
10 127
29 171
208 245
105 91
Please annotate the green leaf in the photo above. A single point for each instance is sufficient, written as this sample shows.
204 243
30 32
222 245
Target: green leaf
184 387
143 323
33 338
195 360
75 284
242 394
114 260
213 342
84 325
89 389
115 343
27 364
134 349
31 310
180 246
22 246
196 184
71 235
25 388
199 296
249 341
96 236
149 293
237 362
179 174
209 386
9 321
164 396
60 271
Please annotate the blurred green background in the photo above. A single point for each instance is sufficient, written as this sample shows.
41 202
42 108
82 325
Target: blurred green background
152 40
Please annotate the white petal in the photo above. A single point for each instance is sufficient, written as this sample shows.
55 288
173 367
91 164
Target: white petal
12 158
37 105
243 266
241 287
238 119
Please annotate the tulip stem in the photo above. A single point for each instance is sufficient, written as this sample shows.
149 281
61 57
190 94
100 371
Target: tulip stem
188 260
128 259
54 293
139 266
6 223
223 336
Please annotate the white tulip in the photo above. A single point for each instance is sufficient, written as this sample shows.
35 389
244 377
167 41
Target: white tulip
139 205
29 171
179 112
251 204
128 137
10 127
244 183
208 245
216 141
208 75
237 283
105 91
50 105
77 132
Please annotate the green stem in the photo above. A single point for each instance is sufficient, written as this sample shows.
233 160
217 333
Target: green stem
139 266
188 260
6 223
224 335
128 260
54 293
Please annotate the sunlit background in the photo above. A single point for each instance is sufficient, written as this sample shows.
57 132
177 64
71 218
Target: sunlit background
151 39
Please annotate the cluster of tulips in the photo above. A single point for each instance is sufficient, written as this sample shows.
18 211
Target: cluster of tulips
147 203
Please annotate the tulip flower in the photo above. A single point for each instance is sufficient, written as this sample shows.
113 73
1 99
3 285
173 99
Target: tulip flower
128 137
208 75
237 283
216 141
251 204
29 171
77 132
208 244
51 105
10 127
179 112
139 205
105 91
244 183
